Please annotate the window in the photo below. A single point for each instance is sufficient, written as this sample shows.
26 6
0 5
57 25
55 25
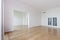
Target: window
52 21
49 21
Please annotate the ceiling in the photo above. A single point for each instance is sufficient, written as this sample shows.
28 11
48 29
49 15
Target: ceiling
42 4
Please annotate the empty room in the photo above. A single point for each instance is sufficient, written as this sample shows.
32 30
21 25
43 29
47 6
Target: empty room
31 19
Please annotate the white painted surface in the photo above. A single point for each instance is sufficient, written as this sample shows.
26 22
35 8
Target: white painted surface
22 19
42 4
34 8
17 21
55 12
34 19
11 5
9 8
25 19
0 20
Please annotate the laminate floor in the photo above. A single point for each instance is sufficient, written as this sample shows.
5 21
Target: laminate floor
35 33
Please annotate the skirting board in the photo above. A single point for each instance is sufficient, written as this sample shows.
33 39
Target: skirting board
50 26
46 26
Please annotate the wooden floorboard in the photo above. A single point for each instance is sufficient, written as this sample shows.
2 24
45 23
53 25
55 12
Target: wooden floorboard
35 33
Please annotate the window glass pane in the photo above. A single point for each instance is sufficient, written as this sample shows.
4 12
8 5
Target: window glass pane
49 21
54 21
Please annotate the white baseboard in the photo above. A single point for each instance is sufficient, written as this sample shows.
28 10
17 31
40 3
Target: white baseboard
50 26
46 26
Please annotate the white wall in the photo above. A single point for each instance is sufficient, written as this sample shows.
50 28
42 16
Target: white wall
11 5
25 19
17 21
20 19
55 12
0 20
34 19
